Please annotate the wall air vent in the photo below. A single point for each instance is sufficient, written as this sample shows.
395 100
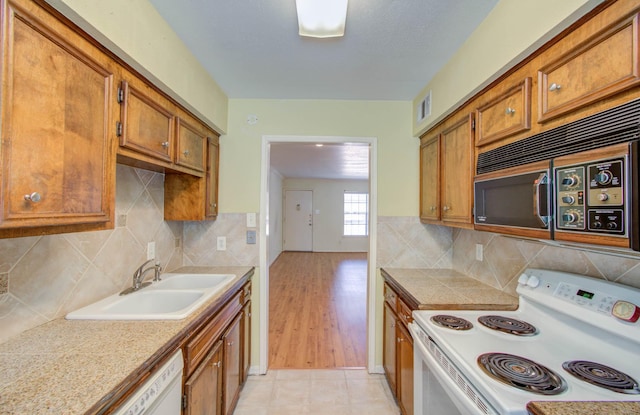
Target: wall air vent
620 124
424 108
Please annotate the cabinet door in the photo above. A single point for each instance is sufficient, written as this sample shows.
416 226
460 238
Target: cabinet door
190 145
405 370
600 66
203 389
232 365
246 341
213 163
57 134
506 114
147 121
389 347
457 171
430 178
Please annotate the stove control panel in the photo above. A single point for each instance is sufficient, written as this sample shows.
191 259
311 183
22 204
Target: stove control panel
555 289
593 300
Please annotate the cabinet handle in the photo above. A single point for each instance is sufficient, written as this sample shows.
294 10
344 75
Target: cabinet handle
230 344
165 144
510 111
554 87
34 197
399 340
217 364
433 208
186 152
445 208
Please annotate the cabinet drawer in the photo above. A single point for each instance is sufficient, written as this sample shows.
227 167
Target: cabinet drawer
404 312
602 65
246 293
190 145
390 297
197 348
506 114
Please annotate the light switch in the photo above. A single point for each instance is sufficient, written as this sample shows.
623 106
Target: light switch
251 220
222 243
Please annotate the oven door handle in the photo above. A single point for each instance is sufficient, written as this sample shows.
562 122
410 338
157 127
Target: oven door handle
543 179
461 400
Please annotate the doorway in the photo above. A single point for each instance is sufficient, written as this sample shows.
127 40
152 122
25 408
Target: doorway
265 219
298 221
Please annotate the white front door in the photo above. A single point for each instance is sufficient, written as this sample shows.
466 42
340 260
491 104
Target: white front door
298 220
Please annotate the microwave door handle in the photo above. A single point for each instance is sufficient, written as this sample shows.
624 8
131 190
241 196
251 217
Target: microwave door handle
542 179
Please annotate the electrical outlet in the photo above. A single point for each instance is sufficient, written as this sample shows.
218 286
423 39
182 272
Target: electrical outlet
251 237
151 250
479 253
222 243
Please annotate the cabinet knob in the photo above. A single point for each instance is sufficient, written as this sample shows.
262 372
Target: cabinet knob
165 144
432 208
510 111
554 87
186 152
34 197
230 344
399 339
445 208
217 364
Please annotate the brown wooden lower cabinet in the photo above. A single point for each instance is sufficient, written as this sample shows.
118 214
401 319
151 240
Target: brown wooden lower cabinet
232 363
216 359
203 389
397 350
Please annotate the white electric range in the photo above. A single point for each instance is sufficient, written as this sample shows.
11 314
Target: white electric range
494 362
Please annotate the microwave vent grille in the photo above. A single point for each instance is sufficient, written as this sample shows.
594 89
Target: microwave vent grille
616 125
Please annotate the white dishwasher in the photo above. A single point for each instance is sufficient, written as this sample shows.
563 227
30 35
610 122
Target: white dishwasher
161 394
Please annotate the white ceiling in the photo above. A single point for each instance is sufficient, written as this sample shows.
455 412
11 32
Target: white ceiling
390 51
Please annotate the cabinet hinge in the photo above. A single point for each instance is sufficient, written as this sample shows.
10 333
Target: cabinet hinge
473 124
120 95
118 129
184 401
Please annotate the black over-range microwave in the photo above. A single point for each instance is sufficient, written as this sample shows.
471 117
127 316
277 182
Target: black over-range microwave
576 183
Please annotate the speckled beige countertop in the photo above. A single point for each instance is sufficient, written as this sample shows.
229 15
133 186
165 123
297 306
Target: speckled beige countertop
71 366
446 289
584 408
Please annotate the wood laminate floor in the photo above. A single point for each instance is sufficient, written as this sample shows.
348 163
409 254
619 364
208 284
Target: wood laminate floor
317 310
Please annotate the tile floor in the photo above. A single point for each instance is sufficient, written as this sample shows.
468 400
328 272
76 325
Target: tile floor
332 392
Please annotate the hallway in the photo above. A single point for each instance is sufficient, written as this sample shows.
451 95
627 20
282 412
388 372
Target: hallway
317 311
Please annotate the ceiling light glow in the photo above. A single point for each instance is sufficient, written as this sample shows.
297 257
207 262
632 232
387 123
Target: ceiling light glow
321 18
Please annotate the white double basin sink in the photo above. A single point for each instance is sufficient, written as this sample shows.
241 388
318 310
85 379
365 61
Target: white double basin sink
175 297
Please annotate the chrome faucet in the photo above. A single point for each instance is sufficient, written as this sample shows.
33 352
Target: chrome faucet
138 277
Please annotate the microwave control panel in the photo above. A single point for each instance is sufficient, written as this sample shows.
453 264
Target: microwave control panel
590 197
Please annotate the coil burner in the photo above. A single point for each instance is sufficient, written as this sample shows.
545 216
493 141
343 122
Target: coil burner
522 373
602 376
508 325
451 322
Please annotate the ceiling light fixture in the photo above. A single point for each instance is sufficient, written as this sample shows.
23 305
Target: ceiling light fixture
321 18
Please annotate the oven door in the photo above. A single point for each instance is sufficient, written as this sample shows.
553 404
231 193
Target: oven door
437 382
515 201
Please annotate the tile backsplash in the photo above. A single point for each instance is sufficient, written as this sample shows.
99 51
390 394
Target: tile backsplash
45 277
404 242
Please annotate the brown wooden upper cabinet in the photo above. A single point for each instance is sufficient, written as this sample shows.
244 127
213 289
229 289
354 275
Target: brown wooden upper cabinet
446 174
505 114
146 121
430 178
58 147
190 145
594 68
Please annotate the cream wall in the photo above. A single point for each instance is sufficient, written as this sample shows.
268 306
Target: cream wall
510 32
389 121
274 216
328 213
135 31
